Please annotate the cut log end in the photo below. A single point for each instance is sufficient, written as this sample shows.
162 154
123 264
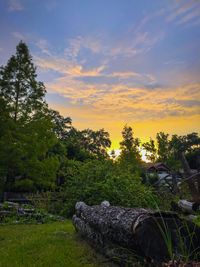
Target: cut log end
138 230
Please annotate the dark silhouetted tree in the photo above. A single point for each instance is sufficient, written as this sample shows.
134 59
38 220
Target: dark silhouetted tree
151 151
27 131
130 155
18 85
180 145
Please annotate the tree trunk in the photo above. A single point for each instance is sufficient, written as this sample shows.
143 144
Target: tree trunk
191 182
16 102
174 183
139 231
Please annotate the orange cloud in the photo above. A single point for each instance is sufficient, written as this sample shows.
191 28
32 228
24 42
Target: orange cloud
130 102
66 67
96 104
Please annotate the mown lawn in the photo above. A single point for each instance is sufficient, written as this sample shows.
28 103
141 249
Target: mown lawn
54 244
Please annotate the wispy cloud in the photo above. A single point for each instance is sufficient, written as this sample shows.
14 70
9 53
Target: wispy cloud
121 91
131 44
131 94
174 62
75 45
191 16
130 102
133 64
180 9
125 74
19 35
43 45
66 67
184 12
134 44
15 5
98 75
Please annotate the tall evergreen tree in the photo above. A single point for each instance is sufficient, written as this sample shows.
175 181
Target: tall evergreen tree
19 87
27 131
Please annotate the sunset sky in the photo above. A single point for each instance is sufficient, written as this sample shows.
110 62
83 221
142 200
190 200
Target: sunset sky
107 63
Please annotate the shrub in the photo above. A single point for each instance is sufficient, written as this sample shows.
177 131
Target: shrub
95 181
25 185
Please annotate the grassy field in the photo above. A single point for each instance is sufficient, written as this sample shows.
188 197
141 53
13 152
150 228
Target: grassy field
45 245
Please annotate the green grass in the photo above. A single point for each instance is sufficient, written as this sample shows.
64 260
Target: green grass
46 245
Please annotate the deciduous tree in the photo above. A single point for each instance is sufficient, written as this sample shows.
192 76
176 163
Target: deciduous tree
130 156
151 151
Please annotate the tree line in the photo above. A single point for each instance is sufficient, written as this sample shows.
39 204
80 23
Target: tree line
33 137
39 147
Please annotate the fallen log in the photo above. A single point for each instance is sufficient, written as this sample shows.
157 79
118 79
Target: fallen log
155 236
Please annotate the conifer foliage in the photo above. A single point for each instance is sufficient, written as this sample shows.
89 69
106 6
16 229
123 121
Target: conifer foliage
18 85
27 129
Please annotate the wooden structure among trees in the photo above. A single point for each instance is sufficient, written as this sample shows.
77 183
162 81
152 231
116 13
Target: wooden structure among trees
158 167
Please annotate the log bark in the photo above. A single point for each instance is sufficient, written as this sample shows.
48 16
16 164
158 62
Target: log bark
143 232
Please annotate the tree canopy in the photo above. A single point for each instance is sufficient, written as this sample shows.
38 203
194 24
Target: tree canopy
27 128
40 148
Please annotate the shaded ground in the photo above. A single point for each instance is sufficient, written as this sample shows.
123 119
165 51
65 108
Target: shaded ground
54 244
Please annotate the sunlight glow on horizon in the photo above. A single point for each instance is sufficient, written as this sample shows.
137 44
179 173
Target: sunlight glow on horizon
110 63
118 151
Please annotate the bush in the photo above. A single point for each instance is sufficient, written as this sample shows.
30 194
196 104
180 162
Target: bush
95 181
25 185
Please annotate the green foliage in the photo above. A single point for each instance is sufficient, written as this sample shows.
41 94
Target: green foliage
41 200
26 134
95 181
163 146
130 157
197 220
19 87
38 145
193 158
169 149
24 185
151 178
186 248
185 143
61 125
129 143
19 215
151 151
95 142
26 155
87 144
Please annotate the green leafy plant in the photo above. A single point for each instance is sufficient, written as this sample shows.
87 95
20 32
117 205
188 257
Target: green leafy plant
94 181
183 233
